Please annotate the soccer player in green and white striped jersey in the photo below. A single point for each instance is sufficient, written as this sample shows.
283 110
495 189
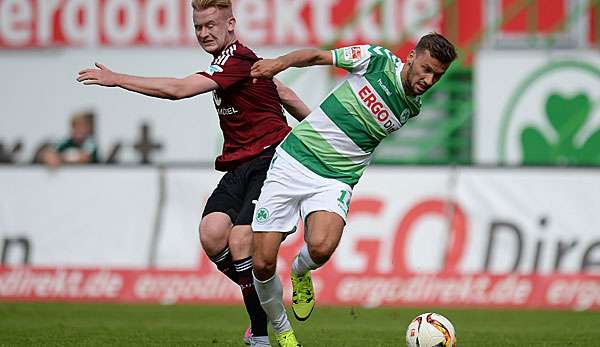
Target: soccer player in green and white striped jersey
319 162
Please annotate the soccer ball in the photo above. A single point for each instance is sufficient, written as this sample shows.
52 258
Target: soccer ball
430 330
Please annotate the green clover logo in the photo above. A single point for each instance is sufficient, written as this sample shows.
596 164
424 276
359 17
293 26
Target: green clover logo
262 215
570 119
567 116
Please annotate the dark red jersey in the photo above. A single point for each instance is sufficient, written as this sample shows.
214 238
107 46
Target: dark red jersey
250 114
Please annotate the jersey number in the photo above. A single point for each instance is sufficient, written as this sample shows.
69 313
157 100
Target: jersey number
344 199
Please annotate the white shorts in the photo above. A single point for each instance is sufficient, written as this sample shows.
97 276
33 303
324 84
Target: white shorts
291 192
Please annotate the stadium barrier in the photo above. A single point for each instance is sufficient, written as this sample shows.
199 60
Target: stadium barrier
483 237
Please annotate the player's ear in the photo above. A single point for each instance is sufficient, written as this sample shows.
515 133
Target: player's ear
231 24
411 57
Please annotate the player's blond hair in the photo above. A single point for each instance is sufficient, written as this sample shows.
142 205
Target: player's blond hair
204 4
84 117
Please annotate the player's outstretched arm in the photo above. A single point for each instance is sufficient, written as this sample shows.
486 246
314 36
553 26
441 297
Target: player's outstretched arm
267 68
160 87
291 102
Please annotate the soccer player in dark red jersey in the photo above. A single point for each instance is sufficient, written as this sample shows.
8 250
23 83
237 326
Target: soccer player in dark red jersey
253 123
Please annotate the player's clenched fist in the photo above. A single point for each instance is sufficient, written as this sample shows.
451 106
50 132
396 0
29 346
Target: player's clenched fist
101 76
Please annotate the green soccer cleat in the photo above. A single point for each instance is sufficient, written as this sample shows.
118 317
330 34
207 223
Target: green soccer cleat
303 296
287 339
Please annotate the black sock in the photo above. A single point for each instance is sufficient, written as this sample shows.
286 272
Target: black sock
224 263
258 317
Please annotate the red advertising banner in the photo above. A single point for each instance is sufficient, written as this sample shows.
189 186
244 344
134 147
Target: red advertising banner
558 291
120 23
397 24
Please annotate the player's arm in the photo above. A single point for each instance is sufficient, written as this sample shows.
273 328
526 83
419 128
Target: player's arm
291 102
267 68
160 87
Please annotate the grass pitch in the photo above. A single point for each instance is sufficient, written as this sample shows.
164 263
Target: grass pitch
60 324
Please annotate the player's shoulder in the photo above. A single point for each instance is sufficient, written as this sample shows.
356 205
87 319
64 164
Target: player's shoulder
381 51
235 52
244 51
371 51
382 59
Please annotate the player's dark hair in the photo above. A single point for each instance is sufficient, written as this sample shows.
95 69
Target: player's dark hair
438 46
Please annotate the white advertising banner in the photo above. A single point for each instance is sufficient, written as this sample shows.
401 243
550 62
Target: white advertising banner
77 217
186 193
530 221
537 107
415 236
395 214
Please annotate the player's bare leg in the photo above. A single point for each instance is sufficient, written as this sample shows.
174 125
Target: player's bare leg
322 235
214 237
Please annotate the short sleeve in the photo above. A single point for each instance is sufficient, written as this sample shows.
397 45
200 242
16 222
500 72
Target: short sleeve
365 58
227 72
354 59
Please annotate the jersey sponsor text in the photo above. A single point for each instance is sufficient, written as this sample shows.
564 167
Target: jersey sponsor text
227 111
380 112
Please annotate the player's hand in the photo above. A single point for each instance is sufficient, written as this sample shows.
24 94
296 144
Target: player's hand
267 68
101 76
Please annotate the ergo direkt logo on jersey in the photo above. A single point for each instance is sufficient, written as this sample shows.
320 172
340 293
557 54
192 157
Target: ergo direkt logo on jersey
381 113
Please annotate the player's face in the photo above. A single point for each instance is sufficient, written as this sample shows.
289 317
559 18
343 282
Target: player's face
80 130
214 28
423 72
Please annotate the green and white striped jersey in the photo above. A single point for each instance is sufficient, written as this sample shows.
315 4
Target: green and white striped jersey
338 138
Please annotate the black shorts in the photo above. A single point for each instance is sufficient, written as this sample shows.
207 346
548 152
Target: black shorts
238 189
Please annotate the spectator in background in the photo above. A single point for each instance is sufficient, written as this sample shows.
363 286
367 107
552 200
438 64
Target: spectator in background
78 148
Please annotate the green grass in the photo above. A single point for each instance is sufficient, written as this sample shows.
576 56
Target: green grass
59 324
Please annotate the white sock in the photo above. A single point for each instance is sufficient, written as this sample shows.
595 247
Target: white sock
303 262
270 294
260 341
